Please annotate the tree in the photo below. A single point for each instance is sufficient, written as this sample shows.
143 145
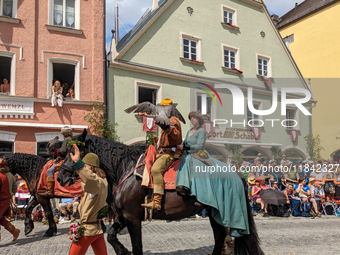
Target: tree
277 153
99 124
314 147
236 150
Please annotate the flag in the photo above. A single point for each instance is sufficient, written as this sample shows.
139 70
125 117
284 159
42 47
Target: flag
293 134
268 81
149 124
257 132
209 128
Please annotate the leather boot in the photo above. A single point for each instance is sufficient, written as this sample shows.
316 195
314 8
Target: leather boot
230 248
14 231
155 203
50 187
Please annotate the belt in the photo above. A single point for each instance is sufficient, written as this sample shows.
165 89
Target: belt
90 223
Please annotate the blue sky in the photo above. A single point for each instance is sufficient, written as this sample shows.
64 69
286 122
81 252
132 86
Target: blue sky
130 11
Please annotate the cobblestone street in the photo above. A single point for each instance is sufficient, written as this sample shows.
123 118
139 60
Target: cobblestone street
278 236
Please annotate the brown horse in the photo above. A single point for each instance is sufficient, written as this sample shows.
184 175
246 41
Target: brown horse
117 160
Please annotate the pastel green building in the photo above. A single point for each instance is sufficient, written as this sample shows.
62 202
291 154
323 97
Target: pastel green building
181 49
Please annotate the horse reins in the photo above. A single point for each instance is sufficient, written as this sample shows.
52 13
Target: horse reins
127 176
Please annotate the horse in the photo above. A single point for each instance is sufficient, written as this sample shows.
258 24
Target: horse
118 161
29 167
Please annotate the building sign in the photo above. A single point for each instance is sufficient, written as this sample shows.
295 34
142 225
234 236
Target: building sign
16 109
233 134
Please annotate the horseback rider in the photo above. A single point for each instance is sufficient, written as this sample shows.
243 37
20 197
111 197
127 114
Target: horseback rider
171 136
66 132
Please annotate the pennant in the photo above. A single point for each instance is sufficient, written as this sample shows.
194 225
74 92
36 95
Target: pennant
256 132
209 128
268 81
294 135
149 124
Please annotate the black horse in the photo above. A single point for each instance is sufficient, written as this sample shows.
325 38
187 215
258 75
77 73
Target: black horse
29 167
117 160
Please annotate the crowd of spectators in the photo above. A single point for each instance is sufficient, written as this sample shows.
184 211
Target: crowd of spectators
306 181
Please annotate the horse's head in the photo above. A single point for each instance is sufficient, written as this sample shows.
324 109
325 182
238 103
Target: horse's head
66 174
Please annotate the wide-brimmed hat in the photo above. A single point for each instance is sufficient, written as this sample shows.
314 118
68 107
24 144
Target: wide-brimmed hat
251 180
166 102
311 179
259 154
2 162
66 129
198 116
275 182
91 159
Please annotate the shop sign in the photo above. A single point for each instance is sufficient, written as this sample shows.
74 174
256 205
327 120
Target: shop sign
16 109
238 134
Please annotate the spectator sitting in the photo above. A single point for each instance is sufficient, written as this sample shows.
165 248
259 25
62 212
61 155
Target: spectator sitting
304 193
68 203
319 192
22 188
256 197
251 184
263 184
70 93
289 192
275 186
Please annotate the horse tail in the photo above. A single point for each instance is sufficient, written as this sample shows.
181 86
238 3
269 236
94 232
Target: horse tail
248 244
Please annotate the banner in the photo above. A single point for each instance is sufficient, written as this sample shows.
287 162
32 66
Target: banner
293 134
149 124
209 128
257 132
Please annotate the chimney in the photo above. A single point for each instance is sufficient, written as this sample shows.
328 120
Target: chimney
154 5
275 19
296 5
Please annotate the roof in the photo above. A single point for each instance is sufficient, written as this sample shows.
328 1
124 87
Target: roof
140 25
305 8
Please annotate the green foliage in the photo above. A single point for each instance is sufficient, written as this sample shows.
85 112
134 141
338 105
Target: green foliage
100 125
103 212
78 143
236 150
277 153
314 147
151 139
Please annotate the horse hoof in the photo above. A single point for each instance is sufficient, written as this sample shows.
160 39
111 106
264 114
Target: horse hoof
27 231
49 234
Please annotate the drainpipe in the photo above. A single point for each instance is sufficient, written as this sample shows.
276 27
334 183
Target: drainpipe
105 60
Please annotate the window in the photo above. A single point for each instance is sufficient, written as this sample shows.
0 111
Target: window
204 105
8 8
264 66
229 15
6 148
230 57
67 72
7 72
290 116
65 13
147 92
147 95
253 118
191 48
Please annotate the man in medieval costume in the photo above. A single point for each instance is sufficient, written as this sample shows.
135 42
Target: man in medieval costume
171 136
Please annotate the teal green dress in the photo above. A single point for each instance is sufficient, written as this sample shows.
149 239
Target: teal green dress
221 189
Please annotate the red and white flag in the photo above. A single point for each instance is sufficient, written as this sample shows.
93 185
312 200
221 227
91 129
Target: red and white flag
149 124
294 135
268 81
209 128
256 132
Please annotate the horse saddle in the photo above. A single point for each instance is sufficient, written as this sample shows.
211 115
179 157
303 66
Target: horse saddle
59 191
143 170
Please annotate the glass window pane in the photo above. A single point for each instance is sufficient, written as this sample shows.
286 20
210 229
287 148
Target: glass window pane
70 13
265 68
226 64
232 60
232 54
265 62
230 15
233 65
260 61
58 12
193 50
226 58
186 42
226 52
7 8
193 57
193 44
186 55
186 49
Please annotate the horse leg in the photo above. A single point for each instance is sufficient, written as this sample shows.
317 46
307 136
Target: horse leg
112 236
219 236
135 230
29 225
45 203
